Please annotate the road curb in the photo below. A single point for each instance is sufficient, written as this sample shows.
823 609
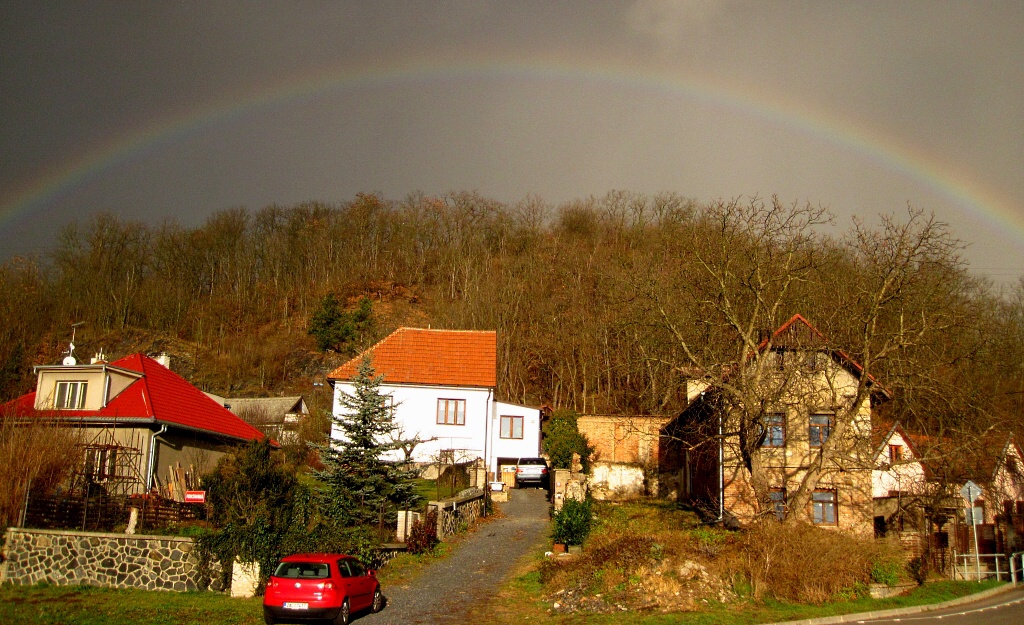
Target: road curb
916 609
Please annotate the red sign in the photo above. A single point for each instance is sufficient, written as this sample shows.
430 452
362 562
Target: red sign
195 496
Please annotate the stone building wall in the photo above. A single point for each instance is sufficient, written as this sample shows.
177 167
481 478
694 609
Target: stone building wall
99 559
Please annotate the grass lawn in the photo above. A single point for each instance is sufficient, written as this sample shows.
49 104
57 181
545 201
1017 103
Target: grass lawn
520 603
85 605
82 605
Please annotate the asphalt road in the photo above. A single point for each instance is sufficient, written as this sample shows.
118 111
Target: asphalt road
478 567
1003 609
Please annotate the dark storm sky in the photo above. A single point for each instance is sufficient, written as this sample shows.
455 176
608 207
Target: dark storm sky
157 110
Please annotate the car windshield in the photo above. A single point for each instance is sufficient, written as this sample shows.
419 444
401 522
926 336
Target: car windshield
532 461
303 570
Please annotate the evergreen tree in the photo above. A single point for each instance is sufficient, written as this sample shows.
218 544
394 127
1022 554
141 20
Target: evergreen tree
360 486
337 330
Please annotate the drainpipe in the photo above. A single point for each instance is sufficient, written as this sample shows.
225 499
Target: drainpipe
721 469
152 456
487 440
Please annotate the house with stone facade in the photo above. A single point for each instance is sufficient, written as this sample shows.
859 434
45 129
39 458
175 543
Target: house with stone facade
739 461
441 386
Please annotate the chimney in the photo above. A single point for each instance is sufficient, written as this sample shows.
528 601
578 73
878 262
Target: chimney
99 359
164 360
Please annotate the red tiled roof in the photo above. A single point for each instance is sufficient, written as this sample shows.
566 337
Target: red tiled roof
434 357
160 396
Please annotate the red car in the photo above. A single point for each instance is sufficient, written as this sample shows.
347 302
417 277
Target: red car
320 586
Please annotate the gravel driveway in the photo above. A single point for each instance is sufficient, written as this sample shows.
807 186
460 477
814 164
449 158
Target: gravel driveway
474 570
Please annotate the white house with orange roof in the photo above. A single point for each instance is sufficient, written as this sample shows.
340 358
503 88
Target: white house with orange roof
442 385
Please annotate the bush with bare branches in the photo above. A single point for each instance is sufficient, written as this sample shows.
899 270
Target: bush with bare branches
39 456
807 564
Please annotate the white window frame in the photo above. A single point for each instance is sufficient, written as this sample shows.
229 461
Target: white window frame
70 394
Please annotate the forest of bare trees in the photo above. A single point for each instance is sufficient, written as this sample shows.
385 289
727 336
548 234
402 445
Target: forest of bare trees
602 304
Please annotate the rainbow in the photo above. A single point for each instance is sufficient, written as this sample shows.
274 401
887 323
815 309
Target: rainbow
913 163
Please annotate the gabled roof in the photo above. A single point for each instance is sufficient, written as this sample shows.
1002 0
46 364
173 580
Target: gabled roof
431 357
265 409
159 396
959 458
797 323
882 432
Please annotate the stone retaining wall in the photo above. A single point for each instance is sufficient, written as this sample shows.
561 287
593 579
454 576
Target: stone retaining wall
99 559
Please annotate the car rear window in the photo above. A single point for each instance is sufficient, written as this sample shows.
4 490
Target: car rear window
531 461
302 570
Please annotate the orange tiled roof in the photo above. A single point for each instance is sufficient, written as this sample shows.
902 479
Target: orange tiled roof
434 357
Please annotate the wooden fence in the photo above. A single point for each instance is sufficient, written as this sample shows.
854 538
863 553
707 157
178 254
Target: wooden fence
105 513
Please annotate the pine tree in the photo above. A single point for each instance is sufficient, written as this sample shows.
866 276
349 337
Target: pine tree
337 330
361 487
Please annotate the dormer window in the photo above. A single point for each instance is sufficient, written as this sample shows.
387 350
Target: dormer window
70 395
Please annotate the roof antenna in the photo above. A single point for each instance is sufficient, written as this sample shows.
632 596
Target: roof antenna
69 360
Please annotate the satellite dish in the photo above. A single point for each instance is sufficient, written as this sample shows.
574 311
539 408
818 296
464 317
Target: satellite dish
69 361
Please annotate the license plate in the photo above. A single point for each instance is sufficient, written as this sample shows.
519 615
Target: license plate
296 606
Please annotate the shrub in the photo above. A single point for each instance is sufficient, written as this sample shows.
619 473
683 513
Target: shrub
423 534
562 439
886 572
807 564
918 569
37 455
572 522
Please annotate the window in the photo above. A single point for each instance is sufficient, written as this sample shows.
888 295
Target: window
824 507
70 395
511 427
775 431
778 498
295 570
816 361
100 463
895 453
820 428
451 411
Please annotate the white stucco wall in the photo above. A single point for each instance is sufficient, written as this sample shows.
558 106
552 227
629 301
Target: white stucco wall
906 476
527 447
416 415
1007 484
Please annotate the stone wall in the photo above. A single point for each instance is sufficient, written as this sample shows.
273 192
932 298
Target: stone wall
99 559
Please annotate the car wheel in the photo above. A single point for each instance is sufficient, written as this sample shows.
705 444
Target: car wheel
269 620
343 615
378 601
